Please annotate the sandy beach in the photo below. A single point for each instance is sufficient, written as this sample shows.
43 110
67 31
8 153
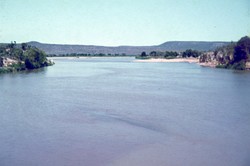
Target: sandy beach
177 60
188 60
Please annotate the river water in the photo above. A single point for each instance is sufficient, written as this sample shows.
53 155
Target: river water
116 112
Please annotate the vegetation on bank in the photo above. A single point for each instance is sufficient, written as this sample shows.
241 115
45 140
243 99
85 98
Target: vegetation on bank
169 54
233 56
15 57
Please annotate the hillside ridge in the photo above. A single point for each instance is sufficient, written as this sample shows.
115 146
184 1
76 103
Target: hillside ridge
178 46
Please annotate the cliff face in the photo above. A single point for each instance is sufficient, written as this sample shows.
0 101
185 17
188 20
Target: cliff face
208 59
232 56
221 56
221 60
5 62
248 65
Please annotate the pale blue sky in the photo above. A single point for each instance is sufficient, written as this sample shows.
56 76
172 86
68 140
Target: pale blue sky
123 22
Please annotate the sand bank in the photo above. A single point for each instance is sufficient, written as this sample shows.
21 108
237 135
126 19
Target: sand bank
189 60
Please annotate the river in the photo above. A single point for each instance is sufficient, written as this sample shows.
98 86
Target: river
116 112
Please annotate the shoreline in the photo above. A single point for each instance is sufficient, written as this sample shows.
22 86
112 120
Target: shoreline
151 60
175 60
178 60
208 64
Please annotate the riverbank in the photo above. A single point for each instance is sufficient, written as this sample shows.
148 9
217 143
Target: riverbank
188 60
179 60
208 64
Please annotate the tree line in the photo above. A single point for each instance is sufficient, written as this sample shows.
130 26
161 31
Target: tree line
169 54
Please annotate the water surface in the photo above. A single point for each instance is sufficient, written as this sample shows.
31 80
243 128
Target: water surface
115 112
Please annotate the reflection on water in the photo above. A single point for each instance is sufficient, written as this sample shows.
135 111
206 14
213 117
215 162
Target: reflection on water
113 111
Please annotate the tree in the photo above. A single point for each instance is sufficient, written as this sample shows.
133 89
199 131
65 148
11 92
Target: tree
143 54
24 46
242 49
170 54
191 53
35 58
12 45
153 53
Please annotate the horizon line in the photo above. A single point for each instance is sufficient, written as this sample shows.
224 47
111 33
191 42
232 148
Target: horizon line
124 45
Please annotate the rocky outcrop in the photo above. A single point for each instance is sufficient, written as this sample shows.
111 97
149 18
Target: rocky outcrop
221 57
248 65
5 62
224 57
208 59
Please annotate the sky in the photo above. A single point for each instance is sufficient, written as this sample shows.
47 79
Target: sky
123 22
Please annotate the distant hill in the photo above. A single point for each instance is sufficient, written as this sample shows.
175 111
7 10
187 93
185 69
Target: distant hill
194 45
128 50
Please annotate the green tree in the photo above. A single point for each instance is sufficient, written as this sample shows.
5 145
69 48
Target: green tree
143 54
24 46
12 45
153 53
242 49
191 53
170 54
35 58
